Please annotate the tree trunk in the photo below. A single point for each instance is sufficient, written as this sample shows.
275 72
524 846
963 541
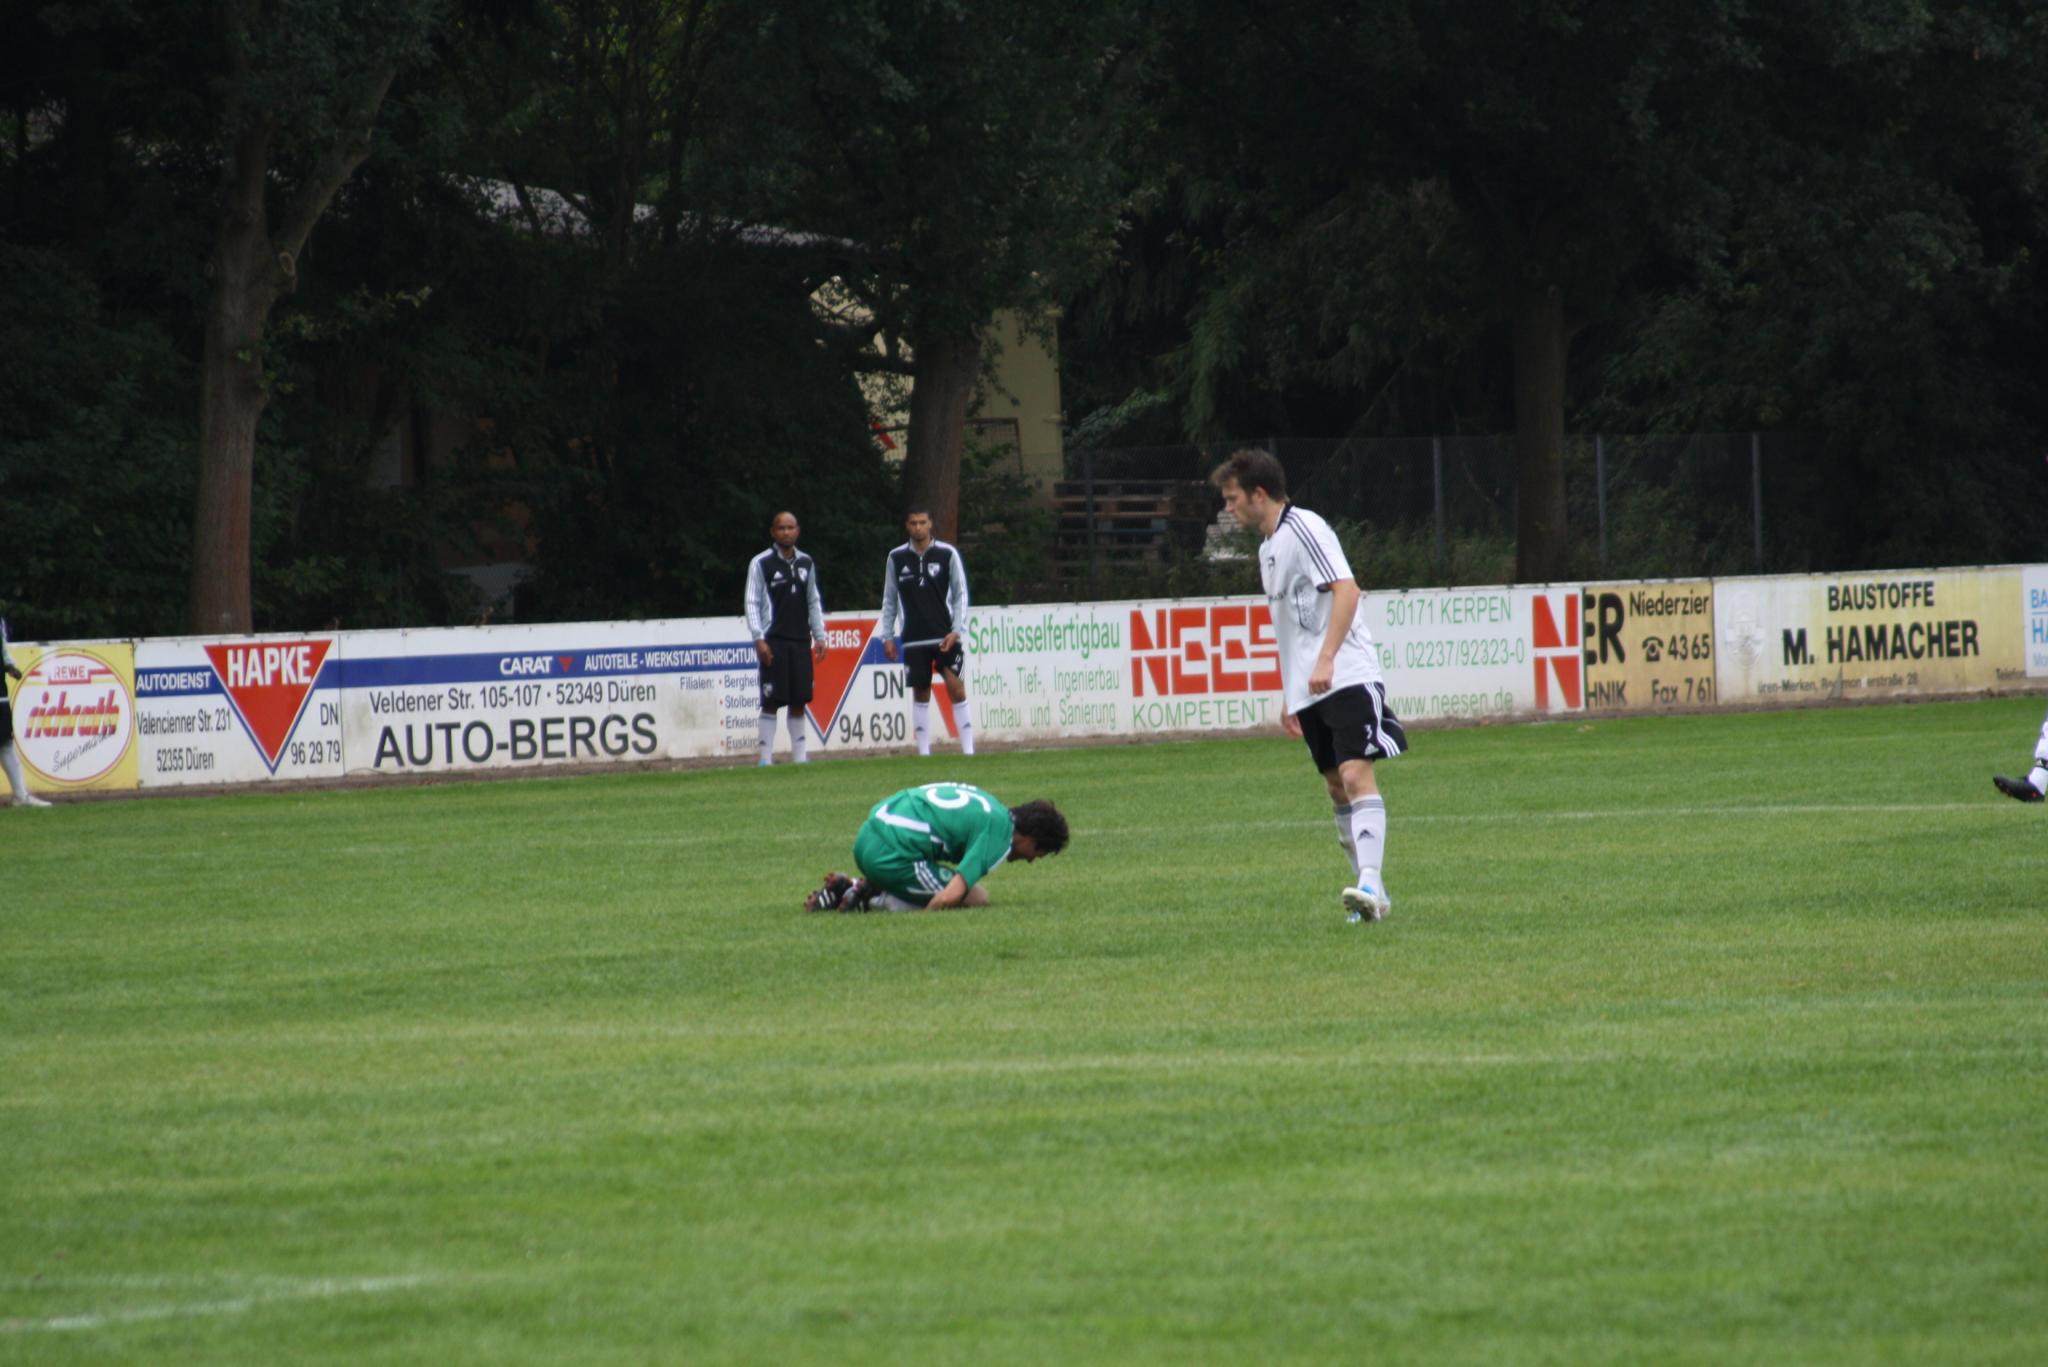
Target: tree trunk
246 281
1542 338
944 369
250 270
231 404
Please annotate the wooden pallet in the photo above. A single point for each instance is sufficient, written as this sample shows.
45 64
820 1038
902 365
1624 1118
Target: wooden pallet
1134 520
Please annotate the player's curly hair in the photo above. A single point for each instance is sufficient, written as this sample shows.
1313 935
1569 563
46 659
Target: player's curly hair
1041 821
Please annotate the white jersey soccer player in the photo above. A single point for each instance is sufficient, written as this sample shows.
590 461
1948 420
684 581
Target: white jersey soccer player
1334 697
2034 787
1299 561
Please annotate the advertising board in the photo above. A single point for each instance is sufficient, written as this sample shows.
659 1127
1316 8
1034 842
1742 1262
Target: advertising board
1649 646
1479 652
75 721
238 710
1892 633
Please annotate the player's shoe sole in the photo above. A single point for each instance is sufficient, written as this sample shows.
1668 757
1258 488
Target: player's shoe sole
2016 788
1365 904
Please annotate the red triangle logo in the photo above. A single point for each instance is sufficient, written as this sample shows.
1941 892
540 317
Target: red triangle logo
832 677
268 683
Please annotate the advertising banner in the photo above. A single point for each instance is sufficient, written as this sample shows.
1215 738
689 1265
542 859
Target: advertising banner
1033 673
2034 585
1479 652
498 697
1649 645
74 715
237 710
1885 634
195 710
1087 669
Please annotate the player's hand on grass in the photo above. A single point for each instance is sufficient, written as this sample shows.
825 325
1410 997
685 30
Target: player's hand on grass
952 895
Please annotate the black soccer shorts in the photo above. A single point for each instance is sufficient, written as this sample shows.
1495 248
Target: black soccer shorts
920 662
1352 723
787 682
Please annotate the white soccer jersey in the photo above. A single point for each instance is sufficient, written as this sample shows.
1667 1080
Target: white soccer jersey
1297 565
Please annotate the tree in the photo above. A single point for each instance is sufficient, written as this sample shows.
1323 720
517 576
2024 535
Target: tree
962 149
1876 281
301 83
1467 173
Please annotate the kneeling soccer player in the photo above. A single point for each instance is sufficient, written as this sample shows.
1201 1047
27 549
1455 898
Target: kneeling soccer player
930 846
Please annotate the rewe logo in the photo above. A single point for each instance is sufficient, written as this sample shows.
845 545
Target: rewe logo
1208 649
74 717
268 682
1558 654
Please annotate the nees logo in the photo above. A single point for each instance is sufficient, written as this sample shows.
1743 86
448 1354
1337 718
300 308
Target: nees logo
1210 649
268 683
1558 654
74 718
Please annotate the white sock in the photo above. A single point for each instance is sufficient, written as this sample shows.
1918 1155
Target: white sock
1368 833
963 717
799 737
921 723
2039 778
1342 811
767 733
889 901
11 762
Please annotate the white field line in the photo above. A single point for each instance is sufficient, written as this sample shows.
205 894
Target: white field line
1502 816
311 1289
1520 815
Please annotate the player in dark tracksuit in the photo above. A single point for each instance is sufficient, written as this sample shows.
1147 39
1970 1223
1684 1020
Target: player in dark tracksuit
785 613
927 580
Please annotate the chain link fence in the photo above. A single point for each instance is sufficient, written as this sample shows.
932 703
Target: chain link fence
1439 510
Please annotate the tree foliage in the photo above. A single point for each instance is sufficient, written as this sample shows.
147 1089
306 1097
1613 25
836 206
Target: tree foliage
586 236
963 150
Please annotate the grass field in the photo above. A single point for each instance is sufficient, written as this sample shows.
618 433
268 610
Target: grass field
1698 1039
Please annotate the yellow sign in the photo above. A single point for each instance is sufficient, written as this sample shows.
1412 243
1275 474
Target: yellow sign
74 715
1892 633
1649 645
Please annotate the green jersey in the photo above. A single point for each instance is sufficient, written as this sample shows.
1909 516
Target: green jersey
944 823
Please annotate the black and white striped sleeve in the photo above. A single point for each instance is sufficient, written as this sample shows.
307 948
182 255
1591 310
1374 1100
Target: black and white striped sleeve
1321 551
